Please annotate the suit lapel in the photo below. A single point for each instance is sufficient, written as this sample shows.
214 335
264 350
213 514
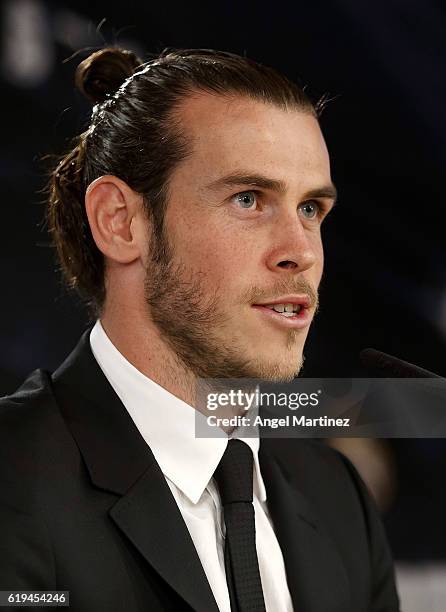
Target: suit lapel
315 574
118 460
149 517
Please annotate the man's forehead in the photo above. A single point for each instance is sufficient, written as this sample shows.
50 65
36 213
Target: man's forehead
212 111
228 134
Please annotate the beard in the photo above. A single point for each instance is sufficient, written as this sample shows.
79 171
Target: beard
192 323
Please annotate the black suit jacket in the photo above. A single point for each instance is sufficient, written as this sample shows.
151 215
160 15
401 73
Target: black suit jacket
84 507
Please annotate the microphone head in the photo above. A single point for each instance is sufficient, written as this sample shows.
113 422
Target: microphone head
389 366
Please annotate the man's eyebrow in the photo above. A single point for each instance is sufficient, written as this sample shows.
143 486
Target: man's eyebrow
329 191
253 180
264 182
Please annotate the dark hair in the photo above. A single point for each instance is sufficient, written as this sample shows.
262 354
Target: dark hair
135 136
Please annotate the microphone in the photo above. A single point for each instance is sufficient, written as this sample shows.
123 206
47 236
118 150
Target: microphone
406 401
391 366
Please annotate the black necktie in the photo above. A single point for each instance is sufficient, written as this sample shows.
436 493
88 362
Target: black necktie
234 479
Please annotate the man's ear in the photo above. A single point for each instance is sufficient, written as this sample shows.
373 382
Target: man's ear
114 213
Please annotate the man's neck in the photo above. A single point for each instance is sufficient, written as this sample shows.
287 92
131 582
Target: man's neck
134 334
142 345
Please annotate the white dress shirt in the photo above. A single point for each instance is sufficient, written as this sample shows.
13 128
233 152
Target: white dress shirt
167 424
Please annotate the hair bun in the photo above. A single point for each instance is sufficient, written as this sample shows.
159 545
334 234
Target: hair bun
104 71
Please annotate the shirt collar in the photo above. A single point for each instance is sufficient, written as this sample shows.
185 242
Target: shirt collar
167 424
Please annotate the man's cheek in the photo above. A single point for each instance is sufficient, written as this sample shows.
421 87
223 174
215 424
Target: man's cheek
319 264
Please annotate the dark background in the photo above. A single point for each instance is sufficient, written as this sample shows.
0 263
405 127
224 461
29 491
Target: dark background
385 276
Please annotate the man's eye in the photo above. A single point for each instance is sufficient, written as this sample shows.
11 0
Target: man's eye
310 209
247 199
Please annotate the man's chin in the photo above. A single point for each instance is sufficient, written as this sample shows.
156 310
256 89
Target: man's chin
280 377
277 372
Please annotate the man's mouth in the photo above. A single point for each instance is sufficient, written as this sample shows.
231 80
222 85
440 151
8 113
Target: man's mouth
295 309
287 310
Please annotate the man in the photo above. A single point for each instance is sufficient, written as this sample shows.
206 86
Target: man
189 215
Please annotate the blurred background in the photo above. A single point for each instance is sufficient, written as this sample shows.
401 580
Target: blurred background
383 66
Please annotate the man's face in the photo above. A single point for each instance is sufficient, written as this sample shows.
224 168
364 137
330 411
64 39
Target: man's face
243 233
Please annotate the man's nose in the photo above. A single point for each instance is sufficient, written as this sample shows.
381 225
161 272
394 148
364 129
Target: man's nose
294 246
